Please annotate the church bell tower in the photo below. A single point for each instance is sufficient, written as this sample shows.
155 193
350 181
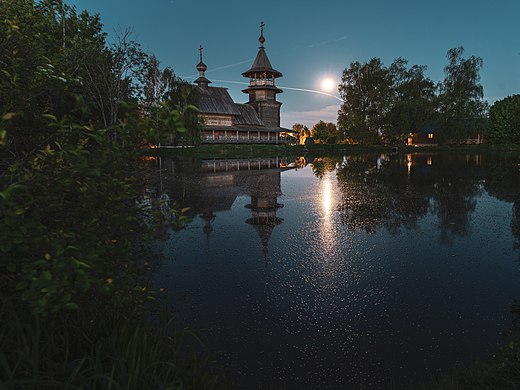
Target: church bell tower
262 89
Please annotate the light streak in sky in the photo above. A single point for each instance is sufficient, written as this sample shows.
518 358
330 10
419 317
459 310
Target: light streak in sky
314 91
309 46
312 45
220 68
290 88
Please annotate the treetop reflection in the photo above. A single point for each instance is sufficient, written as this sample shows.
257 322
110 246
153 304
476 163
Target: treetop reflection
389 191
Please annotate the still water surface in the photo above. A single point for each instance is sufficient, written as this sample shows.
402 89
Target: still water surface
355 271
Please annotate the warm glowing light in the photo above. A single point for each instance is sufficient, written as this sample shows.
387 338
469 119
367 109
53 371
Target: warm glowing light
327 231
328 84
327 197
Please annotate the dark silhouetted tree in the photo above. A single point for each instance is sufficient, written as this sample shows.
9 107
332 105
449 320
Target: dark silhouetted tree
413 97
460 102
366 93
504 120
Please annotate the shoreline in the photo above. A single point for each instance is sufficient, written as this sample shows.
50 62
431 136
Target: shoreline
251 150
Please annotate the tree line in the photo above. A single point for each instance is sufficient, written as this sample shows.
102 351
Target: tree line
76 114
321 132
384 104
58 68
75 110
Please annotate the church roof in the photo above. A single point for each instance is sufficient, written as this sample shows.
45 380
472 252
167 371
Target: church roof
262 88
202 80
216 100
261 64
248 116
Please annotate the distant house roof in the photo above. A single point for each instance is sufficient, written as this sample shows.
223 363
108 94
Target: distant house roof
248 116
428 127
216 100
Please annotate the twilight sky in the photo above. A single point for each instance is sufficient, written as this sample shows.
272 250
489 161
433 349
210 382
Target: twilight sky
309 40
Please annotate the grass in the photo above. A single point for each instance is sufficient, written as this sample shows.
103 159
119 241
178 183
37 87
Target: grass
500 371
99 348
249 151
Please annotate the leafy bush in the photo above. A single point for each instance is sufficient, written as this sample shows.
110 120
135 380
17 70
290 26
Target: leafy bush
504 121
73 264
69 226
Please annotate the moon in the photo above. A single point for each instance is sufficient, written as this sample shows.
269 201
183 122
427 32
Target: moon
328 84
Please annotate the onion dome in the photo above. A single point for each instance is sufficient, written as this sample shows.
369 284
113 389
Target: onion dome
201 66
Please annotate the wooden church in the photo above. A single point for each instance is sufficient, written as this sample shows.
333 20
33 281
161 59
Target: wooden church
257 121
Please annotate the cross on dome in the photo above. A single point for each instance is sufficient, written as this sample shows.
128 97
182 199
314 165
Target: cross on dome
262 39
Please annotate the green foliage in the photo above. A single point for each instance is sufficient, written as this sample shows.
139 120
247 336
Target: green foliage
41 71
324 132
73 263
323 165
387 103
166 92
100 348
319 132
460 103
412 105
183 97
55 61
366 92
498 372
332 133
504 121
69 226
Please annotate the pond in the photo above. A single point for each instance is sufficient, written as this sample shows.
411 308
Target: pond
365 270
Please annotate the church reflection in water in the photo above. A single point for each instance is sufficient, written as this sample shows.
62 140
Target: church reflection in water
209 187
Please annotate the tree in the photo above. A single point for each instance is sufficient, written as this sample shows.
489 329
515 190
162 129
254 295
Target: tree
320 132
57 67
461 103
504 120
413 97
366 93
183 97
54 61
163 94
156 82
301 132
39 43
332 133
70 125
323 132
119 75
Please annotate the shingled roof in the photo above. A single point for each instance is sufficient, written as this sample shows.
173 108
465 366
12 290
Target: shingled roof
216 100
261 64
248 116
